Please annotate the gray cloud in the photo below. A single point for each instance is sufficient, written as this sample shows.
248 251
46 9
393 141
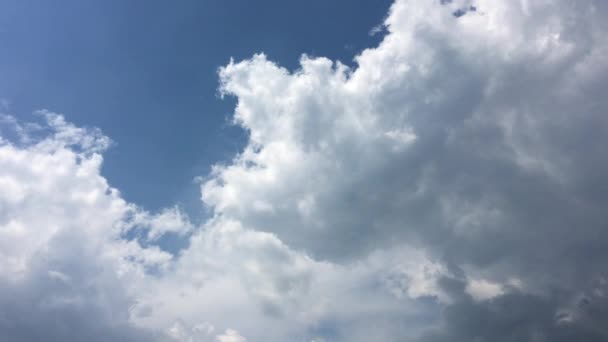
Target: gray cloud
520 317
63 298
476 138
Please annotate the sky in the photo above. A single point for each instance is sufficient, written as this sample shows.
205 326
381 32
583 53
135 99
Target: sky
230 171
145 72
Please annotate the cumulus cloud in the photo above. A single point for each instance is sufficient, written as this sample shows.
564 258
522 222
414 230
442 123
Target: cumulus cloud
63 268
79 262
450 187
471 131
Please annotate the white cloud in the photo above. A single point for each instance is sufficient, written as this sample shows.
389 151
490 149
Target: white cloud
451 127
230 336
64 234
465 136
481 289
60 246
171 220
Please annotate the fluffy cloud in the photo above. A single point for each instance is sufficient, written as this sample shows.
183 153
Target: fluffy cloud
79 262
63 267
450 187
473 131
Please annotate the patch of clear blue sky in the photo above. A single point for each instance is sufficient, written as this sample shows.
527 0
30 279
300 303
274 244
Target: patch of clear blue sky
145 72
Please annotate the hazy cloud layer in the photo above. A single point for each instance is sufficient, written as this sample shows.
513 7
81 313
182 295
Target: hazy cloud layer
450 187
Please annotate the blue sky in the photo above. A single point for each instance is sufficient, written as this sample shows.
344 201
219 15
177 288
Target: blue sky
145 72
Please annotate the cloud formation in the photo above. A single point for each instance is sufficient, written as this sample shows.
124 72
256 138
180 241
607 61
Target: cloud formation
450 187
